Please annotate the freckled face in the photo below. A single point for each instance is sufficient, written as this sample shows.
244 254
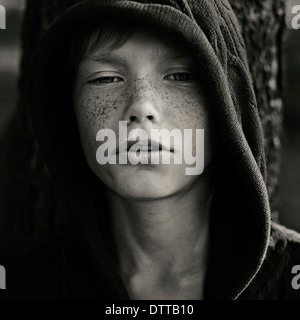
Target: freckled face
151 85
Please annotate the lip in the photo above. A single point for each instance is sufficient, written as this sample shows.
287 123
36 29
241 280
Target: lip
144 146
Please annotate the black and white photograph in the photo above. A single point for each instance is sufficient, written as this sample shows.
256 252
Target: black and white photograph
149 151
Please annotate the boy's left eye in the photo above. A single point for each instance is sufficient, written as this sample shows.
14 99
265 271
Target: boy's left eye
181 77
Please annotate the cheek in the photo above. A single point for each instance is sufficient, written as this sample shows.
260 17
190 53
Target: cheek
187 109
190 110
94 112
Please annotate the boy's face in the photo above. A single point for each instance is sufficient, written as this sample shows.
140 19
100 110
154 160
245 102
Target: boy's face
150 85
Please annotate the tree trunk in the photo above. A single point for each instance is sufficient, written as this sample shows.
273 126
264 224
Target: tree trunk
33 211
263 25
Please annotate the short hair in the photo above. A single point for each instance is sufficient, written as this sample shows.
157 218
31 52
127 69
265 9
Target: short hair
109 34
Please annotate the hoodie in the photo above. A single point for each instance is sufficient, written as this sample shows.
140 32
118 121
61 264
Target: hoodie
250 256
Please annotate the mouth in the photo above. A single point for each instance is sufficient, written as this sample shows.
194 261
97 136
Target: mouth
143 146
147 146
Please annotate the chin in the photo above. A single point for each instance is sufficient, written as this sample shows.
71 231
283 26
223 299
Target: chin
146 193
136 183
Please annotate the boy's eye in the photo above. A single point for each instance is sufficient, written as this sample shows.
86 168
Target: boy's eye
106 80
181 76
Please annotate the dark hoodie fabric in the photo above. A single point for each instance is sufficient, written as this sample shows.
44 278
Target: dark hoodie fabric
250 256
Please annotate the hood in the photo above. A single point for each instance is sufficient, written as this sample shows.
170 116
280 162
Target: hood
240 221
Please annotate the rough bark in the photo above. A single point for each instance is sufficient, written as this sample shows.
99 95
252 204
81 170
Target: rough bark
263 25
33 211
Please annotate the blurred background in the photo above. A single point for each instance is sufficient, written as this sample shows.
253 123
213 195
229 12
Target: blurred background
289 185
9 59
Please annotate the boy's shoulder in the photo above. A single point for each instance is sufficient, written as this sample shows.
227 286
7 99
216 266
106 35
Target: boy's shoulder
54 270
279 275
285 243
283 235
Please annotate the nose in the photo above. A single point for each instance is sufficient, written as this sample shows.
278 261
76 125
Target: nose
142 110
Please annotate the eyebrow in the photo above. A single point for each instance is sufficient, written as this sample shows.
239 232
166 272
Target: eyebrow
111 58
171 55
108 58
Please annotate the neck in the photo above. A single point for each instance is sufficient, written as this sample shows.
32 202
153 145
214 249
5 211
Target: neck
168 235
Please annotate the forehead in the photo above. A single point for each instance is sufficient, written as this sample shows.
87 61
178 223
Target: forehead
140 43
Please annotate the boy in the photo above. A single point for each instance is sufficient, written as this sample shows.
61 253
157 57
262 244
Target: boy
148 230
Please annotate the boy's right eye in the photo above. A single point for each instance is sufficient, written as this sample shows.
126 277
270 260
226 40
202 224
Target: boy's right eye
106 80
